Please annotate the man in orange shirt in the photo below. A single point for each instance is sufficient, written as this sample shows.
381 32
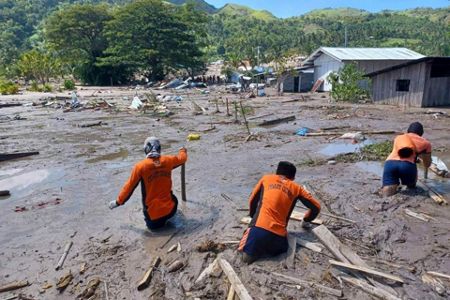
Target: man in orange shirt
401 163
155 176
271 204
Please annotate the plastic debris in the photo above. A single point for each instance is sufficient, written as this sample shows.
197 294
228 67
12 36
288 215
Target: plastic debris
75 102
136 103
302 131
193 137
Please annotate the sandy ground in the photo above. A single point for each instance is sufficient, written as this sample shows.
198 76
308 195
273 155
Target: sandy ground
62 195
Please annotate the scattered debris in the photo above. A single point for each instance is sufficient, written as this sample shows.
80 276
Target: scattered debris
419 216
63 257
365 270
83 268
436 283
211 246
89 291
178 247
64 281
277 121
370 289
172 248
208 271
175 266
136 103
441 275
238 287
14 286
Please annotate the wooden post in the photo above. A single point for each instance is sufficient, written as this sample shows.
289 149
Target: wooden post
245 119
228 108
183 182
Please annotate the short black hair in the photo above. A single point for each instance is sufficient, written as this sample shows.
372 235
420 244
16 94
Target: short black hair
416 128
287 169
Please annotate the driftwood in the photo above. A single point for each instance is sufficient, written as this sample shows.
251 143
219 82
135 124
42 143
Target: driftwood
441 275
419 216
436 283
4 193
236 283
9 156
2 105
145 281
334 128
319 287
346 255
211 268
366 270
374 291
175 266
13 286
231 293
309 245
277 121
100 123
183 182
172 248
63 257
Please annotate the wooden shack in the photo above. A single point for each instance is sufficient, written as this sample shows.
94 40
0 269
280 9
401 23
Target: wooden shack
423 82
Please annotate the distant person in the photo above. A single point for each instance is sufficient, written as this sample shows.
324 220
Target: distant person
400 166
154 173
271 204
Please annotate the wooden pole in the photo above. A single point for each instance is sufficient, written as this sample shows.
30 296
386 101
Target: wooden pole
183 182
13 286
245 119
63 257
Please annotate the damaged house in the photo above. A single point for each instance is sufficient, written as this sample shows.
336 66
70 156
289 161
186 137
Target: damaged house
326 60
420 83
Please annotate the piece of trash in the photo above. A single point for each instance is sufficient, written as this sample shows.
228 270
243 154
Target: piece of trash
136 103
302 131
20 209
64 281
193 137
331 162
75 102
89 291
355 136
211 246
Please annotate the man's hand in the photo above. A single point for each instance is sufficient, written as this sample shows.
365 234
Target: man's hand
306 225
113 204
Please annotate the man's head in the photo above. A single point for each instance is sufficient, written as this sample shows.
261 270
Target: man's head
416 128
286 169
152 147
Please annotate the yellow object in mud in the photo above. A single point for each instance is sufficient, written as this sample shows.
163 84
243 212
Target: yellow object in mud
193 137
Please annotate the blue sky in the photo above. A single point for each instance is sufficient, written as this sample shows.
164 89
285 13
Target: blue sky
288 8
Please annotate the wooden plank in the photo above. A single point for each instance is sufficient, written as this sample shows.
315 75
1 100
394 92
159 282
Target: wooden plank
64 255
441 275
9 156
277 121
366 270
231 293
290 255
419 216
319 287
211 268
239 288
374 291
13 286
309 245
145 281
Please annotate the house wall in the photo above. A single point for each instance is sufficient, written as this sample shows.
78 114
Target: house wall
369 66
323 66
437 92
305 84
288 84
384 85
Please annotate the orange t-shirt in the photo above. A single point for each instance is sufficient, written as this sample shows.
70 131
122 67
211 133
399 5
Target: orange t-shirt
155 176
420 146
272 202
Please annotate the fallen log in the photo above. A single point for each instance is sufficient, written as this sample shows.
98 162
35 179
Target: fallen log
4 193
63 257
319 287
365 270
9 156
145 281
14 286
236 283
374 291
10 104
277 121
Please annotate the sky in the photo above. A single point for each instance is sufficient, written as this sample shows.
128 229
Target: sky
289 8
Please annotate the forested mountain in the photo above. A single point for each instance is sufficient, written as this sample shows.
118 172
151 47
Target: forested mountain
236 32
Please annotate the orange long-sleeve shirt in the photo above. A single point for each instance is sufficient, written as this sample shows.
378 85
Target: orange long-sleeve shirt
273 200
155 176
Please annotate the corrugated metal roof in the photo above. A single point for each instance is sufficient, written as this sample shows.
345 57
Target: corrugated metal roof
355 54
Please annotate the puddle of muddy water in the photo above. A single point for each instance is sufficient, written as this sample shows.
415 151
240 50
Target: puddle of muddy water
123 153
342 148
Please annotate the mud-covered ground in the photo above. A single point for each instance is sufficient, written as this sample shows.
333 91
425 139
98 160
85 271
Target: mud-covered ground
61 195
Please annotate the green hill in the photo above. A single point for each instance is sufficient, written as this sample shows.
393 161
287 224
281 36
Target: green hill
336 13
201 4
230 10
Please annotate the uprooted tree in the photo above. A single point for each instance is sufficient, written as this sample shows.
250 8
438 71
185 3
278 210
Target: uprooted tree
349 84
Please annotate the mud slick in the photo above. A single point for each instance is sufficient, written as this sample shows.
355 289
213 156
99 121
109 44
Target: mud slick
61 194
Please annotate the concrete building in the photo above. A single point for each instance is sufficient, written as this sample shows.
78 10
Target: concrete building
420 83
326 60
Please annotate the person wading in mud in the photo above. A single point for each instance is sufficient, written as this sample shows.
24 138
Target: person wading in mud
401 163
271 204
155 176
